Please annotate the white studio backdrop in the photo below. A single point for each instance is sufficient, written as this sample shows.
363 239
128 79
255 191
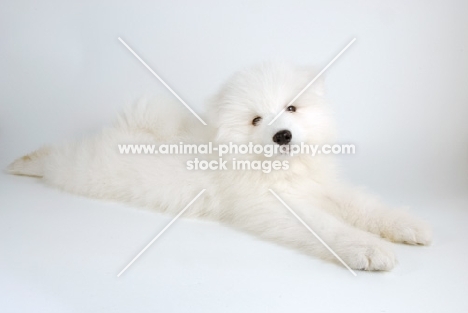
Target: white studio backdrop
399 92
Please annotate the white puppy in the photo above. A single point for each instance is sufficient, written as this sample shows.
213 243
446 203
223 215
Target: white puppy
350 221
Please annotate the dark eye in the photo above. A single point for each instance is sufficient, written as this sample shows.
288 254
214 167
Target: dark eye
256 120
291 108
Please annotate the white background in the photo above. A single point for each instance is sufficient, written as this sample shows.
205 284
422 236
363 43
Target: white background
400 94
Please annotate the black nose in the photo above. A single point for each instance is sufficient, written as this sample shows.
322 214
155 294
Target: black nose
282 137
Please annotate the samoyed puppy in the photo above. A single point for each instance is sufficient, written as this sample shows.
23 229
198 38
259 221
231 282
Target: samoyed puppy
354 224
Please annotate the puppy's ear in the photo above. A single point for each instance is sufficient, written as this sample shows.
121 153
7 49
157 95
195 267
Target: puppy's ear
318 86
212 110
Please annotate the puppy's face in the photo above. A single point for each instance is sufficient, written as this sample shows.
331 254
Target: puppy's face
253 98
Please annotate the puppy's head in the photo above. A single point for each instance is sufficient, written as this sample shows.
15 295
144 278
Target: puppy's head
252 98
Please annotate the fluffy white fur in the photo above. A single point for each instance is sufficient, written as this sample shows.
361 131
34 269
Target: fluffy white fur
349 220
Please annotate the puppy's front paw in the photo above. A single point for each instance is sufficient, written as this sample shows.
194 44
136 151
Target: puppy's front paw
402 227
369 256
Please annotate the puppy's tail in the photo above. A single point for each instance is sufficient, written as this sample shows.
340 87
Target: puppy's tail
31 164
